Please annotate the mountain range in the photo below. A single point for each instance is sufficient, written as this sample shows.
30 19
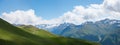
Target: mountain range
104 31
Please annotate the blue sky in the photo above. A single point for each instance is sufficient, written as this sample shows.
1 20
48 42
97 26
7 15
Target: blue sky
47 9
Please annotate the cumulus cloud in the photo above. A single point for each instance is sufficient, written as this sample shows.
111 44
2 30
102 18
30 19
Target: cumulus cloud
21 17
80 14
94 12
113 5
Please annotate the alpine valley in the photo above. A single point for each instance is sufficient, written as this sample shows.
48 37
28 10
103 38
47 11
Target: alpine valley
59 22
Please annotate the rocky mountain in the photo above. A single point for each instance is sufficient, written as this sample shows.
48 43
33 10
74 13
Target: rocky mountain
104 31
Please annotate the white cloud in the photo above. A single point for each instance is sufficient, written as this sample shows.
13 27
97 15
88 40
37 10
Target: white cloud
94 12
113 5
21 17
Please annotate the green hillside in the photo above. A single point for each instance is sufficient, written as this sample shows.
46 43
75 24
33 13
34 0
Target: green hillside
29 35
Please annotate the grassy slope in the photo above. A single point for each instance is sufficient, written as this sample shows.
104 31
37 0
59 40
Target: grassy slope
11 35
